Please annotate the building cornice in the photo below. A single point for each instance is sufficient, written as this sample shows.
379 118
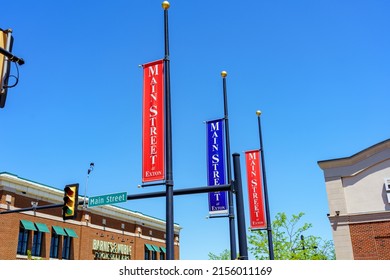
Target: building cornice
358 218
358 157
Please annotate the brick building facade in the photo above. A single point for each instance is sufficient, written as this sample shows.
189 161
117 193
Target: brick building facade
358 189
104 232
371 241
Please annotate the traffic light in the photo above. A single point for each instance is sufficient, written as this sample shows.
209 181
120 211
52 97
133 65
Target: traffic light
6 41
71 201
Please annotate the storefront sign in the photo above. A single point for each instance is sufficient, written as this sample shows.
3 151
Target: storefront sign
104 250
153 161
218 203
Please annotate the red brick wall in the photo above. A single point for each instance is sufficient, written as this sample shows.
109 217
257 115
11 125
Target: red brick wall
9 228
371 241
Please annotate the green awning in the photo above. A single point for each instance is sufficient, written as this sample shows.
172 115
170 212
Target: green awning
156 248
59 230
42 227
163 250
71 232
28 225
150 247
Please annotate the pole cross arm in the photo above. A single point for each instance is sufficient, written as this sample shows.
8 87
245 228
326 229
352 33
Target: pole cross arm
33 208
197 190
12 57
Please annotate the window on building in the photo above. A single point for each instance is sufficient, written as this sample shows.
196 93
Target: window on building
147 253
39 240
37 244
67 247
68 243
57 232
163 253
151 252
156 250
154 255
23 241
67 240
54 245
24 236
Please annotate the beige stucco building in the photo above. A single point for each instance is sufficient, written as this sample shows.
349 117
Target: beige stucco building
358 189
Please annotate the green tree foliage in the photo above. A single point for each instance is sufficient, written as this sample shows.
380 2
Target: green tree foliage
225 255
290 241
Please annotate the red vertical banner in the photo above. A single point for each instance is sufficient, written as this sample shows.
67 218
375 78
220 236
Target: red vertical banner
153 139
255 190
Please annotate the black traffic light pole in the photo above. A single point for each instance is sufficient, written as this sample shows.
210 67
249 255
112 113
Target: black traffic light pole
197 190
265 188
241 228
34 208
168 144
232 231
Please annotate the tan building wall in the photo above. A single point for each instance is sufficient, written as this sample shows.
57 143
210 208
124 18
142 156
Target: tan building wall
105 232
359 202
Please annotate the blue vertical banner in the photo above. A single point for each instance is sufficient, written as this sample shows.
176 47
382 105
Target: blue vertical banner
218 201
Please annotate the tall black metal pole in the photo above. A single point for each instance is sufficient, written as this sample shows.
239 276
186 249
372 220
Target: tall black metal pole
233 250
241 228
269 227
168 143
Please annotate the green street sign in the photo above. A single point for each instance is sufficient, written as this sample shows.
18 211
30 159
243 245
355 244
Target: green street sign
107 199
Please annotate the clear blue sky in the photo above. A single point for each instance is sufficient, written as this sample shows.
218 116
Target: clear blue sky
318 70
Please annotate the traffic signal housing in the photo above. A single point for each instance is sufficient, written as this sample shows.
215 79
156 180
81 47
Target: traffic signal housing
71 201
6 42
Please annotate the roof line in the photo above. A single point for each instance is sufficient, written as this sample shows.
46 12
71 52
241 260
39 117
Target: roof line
115 206
321 162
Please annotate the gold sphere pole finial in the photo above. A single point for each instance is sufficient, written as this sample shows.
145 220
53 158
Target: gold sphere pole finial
166 5
223 74
258 113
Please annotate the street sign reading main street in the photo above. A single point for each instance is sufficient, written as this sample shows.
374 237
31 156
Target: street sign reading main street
107 199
